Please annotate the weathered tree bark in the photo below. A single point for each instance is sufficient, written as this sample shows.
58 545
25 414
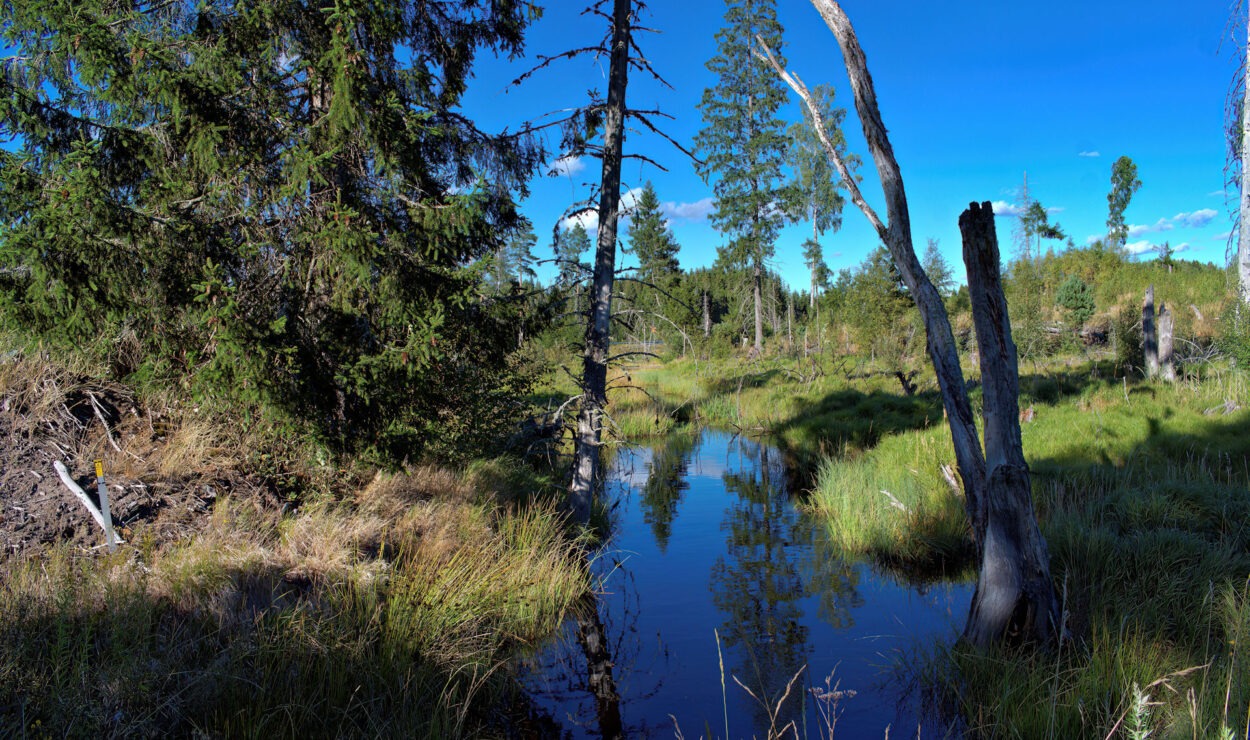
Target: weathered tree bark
939 339
1150 341
1243 235
586 456
1167 370
758 349
1014 597
707 314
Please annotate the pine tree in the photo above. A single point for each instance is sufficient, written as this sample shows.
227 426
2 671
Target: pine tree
514 261
815 180
269 199
571 243
743 143
650 239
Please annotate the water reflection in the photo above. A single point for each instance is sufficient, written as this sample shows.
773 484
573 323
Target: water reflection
707 541
665 484
756 585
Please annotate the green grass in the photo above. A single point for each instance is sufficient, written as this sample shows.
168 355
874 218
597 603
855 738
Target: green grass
394 615
1142 491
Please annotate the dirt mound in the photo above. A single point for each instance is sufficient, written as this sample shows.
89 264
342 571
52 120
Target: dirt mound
163 472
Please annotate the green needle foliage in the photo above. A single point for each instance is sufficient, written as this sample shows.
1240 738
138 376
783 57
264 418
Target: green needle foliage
743 143
651 241
270 200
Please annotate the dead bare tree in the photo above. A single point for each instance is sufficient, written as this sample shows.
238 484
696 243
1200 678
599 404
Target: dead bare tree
1150 340
586 457
1014 596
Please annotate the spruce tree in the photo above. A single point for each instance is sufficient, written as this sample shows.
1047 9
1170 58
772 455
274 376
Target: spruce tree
570 245
743 143
650 239
274 200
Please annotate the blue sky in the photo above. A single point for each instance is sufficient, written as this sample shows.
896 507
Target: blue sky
975 94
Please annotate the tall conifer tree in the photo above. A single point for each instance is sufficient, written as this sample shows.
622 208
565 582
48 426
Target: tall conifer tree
743 142
650 239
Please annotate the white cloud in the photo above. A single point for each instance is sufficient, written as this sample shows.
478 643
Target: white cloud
1197 219
696 211
1003 208
1011 210
1223 237
1089 154
589 219
1139 247
1162 224
1182 247
1194 220
568 166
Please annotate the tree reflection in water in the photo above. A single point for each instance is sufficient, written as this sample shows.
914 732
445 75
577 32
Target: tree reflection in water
666 482
706 537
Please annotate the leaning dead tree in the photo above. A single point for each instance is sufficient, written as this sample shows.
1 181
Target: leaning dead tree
1014 597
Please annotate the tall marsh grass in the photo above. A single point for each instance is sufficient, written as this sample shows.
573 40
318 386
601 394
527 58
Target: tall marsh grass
1143 494
390 616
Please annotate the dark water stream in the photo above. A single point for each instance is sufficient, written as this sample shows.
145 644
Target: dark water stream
711 564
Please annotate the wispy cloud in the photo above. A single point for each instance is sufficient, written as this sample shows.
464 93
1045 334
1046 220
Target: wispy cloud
568 166
696 211
1089 154
1193 220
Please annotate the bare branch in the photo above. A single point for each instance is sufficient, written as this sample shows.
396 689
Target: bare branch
852 186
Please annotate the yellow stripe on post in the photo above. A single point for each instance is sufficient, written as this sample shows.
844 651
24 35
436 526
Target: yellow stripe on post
99 468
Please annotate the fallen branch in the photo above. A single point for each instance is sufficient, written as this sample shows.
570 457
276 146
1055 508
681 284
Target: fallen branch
76 489
99 414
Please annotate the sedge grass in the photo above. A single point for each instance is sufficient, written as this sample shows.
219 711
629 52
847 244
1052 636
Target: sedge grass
389 615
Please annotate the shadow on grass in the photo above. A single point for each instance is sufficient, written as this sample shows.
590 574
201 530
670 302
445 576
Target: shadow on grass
1148 532
849 421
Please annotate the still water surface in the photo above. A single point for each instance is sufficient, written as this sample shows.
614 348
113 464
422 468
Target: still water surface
706 544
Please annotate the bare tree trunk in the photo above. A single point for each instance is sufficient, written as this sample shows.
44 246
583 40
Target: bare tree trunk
1243 237
1167 370
789 323
1150 341
940 341
1014 597
598 327
759 312
707 315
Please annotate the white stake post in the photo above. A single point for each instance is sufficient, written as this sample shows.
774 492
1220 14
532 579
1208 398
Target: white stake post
104 505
